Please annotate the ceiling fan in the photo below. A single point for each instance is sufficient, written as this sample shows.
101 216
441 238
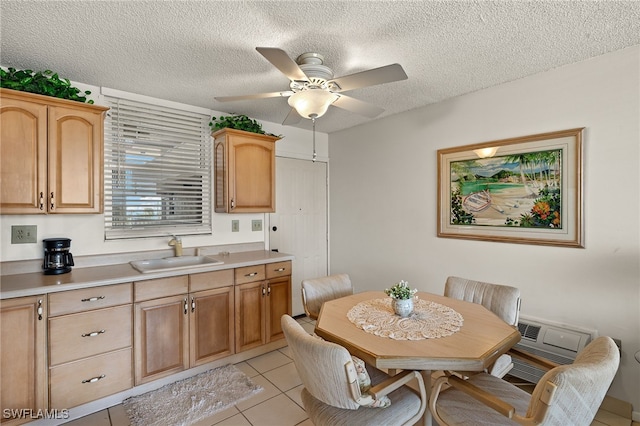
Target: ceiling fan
313 88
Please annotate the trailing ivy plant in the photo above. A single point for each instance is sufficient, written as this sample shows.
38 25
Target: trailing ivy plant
238 122
45 83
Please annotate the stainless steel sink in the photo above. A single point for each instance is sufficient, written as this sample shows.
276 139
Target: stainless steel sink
174 263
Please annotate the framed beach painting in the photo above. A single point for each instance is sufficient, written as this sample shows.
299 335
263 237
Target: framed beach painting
524 190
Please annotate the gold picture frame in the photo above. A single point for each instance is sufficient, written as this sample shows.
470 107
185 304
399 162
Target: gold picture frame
525 190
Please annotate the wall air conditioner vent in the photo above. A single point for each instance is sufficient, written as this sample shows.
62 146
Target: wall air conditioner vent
556 342
529 331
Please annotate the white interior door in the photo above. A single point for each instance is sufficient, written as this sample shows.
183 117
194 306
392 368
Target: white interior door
299 225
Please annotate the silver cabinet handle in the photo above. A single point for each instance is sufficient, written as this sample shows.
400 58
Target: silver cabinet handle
52 204
268 290
279 269
94 379
263 291
186 306
193 304
40 310
92 299
253 274
41 201
93 333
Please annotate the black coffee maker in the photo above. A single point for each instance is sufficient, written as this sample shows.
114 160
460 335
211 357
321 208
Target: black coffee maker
57 258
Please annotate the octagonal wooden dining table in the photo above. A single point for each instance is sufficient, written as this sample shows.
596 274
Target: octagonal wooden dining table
480 340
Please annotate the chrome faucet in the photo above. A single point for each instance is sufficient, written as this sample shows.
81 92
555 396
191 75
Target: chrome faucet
176 243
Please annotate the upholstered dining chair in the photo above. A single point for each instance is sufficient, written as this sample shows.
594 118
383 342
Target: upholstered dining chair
316 291
565 395
331 394
502 300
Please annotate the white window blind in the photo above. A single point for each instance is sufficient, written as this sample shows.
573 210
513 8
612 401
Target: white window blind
157 163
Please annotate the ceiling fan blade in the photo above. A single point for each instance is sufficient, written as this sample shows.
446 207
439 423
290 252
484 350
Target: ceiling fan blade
386 74
256 96
292 118
283 62
358 106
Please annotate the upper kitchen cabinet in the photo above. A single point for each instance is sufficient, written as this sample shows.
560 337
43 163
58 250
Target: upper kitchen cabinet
51 154
244 165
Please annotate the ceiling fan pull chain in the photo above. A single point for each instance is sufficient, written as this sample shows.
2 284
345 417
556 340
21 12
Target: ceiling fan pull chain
313 120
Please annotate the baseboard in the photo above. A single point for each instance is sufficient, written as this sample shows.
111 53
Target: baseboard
635 416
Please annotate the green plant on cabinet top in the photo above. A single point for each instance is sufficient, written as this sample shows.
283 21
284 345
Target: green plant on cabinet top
238 122
45 83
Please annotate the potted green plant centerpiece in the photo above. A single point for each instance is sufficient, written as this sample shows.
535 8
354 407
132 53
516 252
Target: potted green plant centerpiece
402 296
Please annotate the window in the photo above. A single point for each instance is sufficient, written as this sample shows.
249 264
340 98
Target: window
157 166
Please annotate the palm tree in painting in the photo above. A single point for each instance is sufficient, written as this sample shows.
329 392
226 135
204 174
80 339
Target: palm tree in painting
522 159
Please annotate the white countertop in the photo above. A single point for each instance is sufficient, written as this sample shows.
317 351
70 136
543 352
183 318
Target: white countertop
35 283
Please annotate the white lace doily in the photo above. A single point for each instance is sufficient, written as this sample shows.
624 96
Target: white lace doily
428 320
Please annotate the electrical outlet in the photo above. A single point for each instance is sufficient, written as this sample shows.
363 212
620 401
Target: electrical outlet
23 234
235 226
256 225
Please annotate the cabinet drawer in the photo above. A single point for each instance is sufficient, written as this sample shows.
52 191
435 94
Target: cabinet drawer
67 302
162 287
249 274
91 333
93 378
278 269
210 280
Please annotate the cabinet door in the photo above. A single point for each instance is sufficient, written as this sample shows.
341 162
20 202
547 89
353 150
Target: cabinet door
220 178
211 325
278 304
23 154
161 338
250 310
75 160
23 370
252 171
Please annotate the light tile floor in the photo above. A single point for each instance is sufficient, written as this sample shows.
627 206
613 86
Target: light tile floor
279 403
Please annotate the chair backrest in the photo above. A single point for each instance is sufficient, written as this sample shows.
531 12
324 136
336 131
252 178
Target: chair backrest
316 291
320 365
502 300
581 386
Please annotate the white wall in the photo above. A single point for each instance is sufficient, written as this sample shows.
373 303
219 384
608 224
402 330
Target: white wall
87 231
383 200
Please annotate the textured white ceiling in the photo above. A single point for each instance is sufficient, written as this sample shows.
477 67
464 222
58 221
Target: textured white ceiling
190 51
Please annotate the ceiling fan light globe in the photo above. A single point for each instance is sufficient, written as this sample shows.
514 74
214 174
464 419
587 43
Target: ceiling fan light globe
312 103
486 152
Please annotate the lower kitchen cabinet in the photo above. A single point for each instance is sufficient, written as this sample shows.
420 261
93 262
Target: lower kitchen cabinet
68 348
263 295
186 329
23 367
88 379
211 325
161 338
90 344
250 315
278 304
